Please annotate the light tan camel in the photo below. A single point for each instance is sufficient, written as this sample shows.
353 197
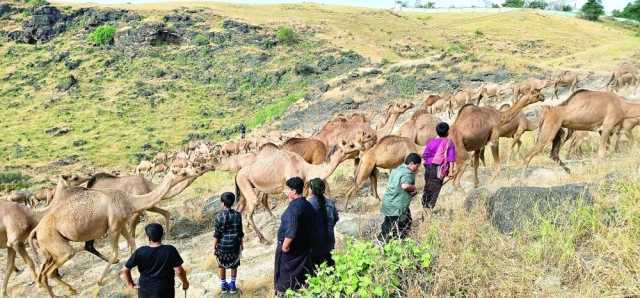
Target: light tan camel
515 128
89 214
144 167
527 86
354 127
565 78
584 110
388 153
17 221
394 111
476 127
137 185
274 166
420 127
490 90
624 74
45 194
462 97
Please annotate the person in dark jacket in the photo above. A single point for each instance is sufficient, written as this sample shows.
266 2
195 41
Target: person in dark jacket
327 217
295 240
158 264
227 242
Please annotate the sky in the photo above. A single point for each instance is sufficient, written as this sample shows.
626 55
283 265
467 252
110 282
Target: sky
609 4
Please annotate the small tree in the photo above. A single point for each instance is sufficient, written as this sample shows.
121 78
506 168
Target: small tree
567 8
592 10
513 3
631 11
286 35
537 4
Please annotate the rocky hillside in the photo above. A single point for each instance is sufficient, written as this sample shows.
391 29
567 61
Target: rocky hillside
174 73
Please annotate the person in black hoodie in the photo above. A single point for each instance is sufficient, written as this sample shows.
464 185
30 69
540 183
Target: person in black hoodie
327 217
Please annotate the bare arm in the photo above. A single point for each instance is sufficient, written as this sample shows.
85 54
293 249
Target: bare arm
408 187
182 275
125 275
286 244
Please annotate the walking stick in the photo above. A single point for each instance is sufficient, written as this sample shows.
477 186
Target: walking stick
185 293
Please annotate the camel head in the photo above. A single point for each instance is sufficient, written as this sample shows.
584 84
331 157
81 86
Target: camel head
431 99
400 108
73 179
532 97
366 138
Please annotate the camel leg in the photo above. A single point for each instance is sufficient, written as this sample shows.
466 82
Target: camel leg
131 242
476 165
114 235
89 246
11 258
133 223
605 136
547 132
250 196
22 251
458 175
167 218
264 199
555 150
373 179
364 171
62 253
496 160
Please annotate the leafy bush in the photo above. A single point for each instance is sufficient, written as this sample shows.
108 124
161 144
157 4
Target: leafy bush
566 8
13 180
286 35
201 40
405 86
478 33
592 10
366 270
102 35
513 3
631 11
37 3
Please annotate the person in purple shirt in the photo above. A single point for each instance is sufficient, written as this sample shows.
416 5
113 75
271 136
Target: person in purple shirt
439 157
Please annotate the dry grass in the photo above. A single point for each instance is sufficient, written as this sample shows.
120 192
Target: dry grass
515 39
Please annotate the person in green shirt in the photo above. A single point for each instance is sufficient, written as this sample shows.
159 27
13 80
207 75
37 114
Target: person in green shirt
397 197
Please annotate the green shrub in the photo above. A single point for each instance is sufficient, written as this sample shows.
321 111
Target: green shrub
201 40
37 3
102 35
592 10
13 180
567 8
513 3
274 110
366 270
631 11
537 4
406 86
478 33
286 35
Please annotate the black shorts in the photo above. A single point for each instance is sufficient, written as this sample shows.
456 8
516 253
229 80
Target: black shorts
228 260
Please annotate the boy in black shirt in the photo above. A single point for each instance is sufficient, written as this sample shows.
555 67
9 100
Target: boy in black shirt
158 264
227 242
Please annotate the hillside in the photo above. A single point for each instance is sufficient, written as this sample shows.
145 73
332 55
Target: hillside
177 73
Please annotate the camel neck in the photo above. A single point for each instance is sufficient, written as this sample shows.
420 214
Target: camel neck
631 109
324 170
388 125
146 201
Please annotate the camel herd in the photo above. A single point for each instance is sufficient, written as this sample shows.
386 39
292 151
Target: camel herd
87 208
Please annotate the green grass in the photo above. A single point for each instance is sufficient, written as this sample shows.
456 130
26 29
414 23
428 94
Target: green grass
102 35
274 110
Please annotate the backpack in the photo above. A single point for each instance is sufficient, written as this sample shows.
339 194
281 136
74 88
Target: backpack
440 159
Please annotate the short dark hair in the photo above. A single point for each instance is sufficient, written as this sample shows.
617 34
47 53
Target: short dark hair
228 199
413 158
296 183
154 231
442 129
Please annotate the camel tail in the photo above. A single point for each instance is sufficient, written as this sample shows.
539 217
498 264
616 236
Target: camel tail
557 142
239 197
33 245
613 76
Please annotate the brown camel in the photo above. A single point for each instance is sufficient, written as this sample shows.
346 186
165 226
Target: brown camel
89 214
490 90
527 86
475 127
388 153
624 74
144 167
274 166
354 127
584 110
45 194
515 129
312 151
137 185
394 111
420 127
566 78
462 97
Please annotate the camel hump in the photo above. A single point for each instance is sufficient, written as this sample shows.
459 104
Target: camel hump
294 141
465 106
96 177
574 94
268 146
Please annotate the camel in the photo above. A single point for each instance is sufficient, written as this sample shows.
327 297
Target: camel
583 110
354 127
575 140
490 90
137 185
566 78
527 86
515 129
16 222
387 153
144 167
394 111
462 97
89 214
45 194
431 99
624 74
235 163
23 196
440 106
274 166
312 151
475 127
420 127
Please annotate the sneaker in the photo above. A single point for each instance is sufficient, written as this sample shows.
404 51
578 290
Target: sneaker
224 287
232 288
